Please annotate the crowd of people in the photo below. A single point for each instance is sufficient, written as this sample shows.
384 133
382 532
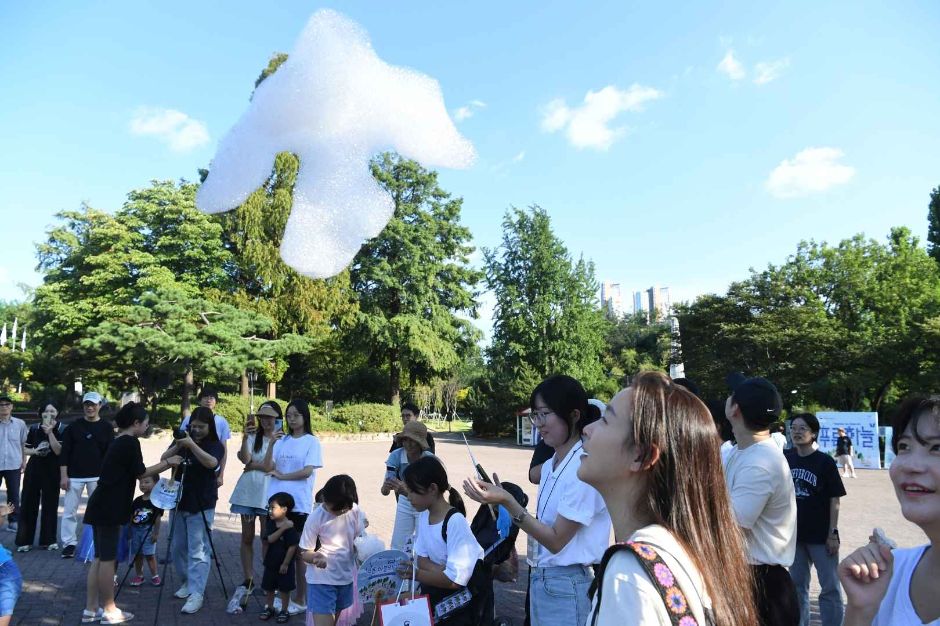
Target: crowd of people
704 532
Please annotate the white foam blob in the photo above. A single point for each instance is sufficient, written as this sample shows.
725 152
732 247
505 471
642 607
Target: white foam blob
335 104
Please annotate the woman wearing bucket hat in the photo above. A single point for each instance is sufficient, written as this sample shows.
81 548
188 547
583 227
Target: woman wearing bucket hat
414 445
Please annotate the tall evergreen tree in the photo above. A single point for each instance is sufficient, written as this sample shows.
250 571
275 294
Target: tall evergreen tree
933 224
546 320
414 281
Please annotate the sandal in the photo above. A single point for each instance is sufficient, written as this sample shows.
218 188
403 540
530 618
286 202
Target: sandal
282 617
267 613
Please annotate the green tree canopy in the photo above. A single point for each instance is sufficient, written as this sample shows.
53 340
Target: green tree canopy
414 281
546 319
844 326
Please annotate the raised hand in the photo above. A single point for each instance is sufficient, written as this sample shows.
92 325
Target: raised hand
865 576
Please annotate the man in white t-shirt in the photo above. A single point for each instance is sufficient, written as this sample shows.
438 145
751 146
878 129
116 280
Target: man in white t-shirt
208 398
762 496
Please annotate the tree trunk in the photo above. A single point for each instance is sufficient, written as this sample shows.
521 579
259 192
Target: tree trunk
244 385
394 378
188 386
270 390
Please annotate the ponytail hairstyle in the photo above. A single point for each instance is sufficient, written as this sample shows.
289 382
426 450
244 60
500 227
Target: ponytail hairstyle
259 436
427 471
130 414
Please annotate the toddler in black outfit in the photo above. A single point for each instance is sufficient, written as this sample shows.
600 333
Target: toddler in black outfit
283 540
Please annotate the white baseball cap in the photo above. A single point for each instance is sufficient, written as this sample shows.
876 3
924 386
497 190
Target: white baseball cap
92 396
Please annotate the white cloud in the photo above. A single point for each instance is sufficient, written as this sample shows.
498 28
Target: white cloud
588 125
812 170
176 129
769 70
519 156
731 67
468 110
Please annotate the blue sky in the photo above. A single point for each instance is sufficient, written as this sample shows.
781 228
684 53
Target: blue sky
716 136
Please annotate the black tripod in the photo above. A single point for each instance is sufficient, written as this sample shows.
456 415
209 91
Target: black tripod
187 461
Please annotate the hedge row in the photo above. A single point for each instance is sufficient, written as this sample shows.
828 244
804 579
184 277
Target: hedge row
352 418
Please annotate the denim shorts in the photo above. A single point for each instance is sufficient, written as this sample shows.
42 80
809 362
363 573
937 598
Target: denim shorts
141 540
328 599
241 509
11 585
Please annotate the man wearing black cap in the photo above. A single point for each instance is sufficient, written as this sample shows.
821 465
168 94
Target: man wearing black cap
762 496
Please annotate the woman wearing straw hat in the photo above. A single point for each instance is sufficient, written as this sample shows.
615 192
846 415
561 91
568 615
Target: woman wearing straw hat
414 445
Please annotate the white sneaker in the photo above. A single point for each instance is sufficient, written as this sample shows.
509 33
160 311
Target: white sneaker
193 603
295 609
182 592
117 617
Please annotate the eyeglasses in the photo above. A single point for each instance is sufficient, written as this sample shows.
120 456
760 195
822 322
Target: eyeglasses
799 429
539 417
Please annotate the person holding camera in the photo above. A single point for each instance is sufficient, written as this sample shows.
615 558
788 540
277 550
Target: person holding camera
202 453
209 397
110 507
12 454
41 482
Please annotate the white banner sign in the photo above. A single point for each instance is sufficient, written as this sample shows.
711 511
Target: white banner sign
861 428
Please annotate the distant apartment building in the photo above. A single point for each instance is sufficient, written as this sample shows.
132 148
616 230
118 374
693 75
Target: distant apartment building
638 307
611 298
659 302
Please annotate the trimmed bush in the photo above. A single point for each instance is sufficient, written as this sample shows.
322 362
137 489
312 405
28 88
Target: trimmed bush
368 417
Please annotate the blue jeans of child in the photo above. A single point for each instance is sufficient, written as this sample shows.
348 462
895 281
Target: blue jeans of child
831 609
191 549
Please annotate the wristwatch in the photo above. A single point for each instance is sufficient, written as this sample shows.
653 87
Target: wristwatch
517 519
835 533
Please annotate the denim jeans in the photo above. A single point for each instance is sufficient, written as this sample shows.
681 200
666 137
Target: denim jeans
831 609
12 479
11 585
558 595
191 549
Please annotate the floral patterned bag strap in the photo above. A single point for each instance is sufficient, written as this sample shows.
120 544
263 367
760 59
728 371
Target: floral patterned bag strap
665 582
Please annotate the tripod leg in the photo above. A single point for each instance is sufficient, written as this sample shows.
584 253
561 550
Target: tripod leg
130 566
215 557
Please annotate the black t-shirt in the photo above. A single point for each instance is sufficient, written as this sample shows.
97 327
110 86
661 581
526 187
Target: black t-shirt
542 453
144 512
816 480
84 445
45 463
110 504
843 445
200 491
278 549
397 444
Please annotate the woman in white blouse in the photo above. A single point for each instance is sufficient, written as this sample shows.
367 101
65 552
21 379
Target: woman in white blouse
570 527
654 458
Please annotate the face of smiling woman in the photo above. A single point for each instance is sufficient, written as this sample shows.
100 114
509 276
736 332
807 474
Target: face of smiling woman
915 473
606 455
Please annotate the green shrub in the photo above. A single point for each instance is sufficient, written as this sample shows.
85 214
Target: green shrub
368 417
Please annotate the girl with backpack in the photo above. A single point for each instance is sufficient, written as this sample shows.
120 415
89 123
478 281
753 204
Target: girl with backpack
447 553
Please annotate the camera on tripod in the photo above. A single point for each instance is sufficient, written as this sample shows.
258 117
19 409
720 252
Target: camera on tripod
179 433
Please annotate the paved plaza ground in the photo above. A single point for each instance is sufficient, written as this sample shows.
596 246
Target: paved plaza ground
54 588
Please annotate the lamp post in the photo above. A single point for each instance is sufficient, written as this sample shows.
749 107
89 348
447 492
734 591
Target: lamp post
252 377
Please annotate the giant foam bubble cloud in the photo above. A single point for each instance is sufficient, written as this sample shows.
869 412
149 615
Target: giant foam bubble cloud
335 104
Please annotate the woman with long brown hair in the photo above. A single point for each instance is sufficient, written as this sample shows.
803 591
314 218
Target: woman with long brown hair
680 555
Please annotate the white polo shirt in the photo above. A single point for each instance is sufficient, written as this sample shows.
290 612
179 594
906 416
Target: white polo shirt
561 492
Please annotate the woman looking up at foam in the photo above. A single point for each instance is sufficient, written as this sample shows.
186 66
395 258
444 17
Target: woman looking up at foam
571 527
654 458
